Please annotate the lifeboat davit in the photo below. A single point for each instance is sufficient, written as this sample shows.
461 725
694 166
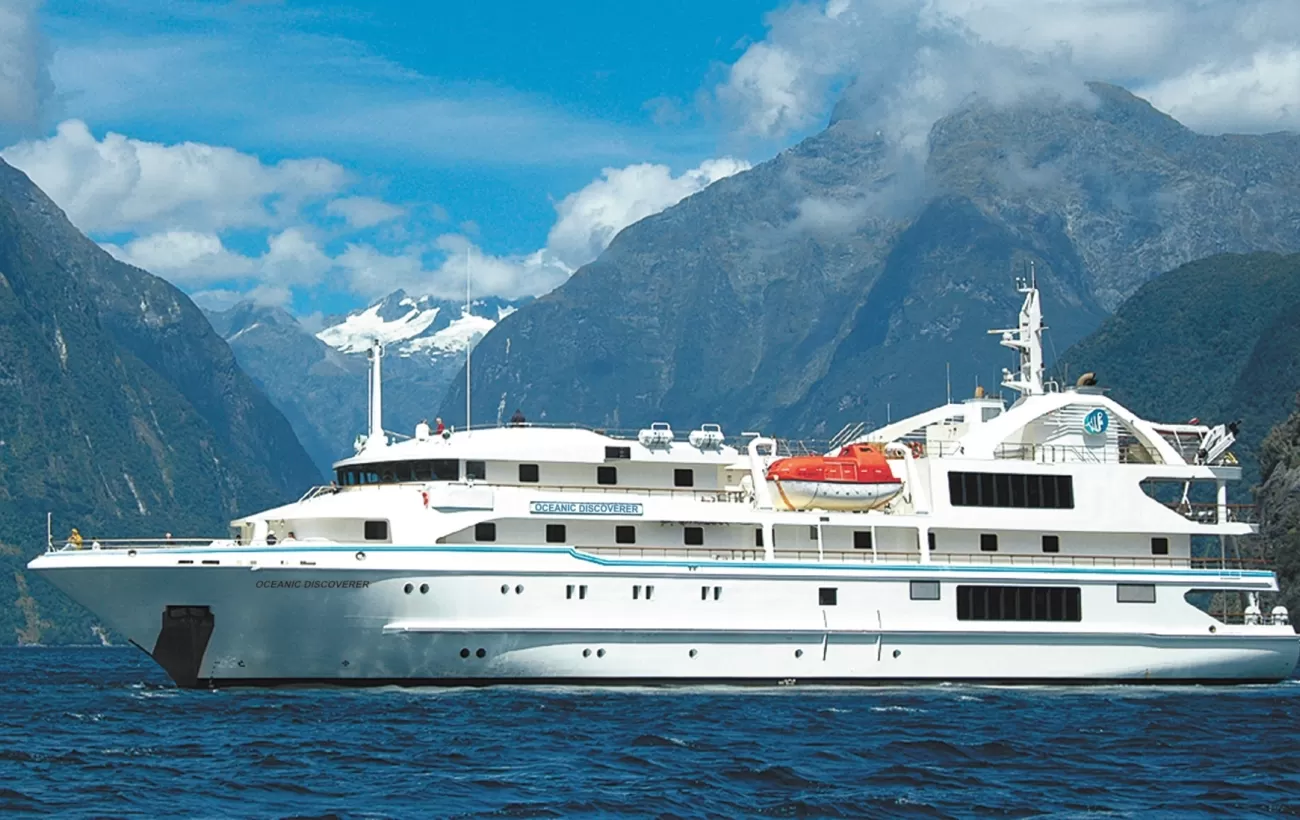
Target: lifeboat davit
856 478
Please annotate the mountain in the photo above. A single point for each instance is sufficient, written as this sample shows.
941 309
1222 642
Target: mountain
1278 543
323 390
830 284
1216 339
121 411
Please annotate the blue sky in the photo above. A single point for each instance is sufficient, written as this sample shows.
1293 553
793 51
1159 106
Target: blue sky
319 155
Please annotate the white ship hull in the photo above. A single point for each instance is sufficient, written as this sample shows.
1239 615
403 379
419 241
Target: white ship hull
323 616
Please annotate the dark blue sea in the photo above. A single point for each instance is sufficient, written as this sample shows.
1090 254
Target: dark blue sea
101 733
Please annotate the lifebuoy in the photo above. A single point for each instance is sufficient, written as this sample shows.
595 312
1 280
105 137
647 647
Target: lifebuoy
424 494
917 448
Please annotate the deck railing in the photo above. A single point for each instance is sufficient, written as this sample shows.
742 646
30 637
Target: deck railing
1208 512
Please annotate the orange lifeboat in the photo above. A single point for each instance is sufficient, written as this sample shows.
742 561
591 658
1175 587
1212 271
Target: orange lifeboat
856 478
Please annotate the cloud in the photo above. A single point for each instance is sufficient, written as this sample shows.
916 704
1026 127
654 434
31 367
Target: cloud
364 211
191 259
898 65
25 85
121 184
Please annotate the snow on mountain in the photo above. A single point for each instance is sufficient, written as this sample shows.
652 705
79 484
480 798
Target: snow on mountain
416 325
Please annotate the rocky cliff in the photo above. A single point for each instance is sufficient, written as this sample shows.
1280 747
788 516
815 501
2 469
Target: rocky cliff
121 411
824 286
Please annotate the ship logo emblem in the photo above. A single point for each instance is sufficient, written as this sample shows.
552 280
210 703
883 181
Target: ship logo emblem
1096 422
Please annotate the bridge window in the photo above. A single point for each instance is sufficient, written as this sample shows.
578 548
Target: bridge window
987 603
606 475
618 452
528 474
556 534
1159 546
485 531
683 478
1051 543
694 536
625 534
376 530
475 471
1011 490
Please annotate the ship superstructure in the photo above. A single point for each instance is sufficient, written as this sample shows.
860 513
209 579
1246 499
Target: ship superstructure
1058 539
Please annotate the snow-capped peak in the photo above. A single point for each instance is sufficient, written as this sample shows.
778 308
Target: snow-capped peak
409 325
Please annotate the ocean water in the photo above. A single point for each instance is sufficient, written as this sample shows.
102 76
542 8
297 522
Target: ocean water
101 732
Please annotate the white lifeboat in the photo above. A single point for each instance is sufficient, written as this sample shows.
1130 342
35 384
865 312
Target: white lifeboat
658 434
857 478
708 437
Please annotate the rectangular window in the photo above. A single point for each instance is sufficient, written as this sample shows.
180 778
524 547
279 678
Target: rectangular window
932 540
528 474
568 591
812 533
650 592
625 534
606 475
985 603
1011 490
556 534
717 593
862 540
827 596
445 469
758 536
485 531
475 471
925 590
683 478
1159 546
988 542
1051 543
1135 593
582 592
376 530
618 452
693 536
636 591
704 593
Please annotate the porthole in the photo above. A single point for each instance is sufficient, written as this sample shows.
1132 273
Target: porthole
131 553
505 589
694 653
481 653
519 589
424 589
408 588
897 652
798 653
586 653
600 653
361 556
464 653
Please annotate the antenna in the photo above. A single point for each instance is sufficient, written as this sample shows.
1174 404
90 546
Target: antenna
947 379
470 344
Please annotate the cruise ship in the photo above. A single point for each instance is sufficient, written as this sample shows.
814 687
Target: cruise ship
1056 539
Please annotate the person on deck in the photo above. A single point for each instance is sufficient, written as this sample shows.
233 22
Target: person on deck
518 420
439 426
74 538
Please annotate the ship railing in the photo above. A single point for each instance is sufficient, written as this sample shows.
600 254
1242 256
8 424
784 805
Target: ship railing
318 490
1208 512
134 543
912 557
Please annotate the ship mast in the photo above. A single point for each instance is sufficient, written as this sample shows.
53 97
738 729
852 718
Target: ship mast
375 436
1027 340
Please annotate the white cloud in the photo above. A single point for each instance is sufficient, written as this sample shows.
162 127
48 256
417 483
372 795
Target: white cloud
193 259
25 85
364 211
122 184
1217 64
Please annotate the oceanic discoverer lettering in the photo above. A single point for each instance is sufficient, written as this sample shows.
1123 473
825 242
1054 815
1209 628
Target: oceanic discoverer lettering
585 508
317 584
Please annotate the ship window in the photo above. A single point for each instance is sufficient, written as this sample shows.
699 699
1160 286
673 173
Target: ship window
988 542
636 591
862 540
1051 543
704 593
812 533
650 592
1159 546
555 534
717 593
582 592
988 603
758 536
606 475
376 530
528 474
683 478
1011 490
476 471
485 531
925 590
694 536
625 534
618 452
933 541
827 596
442 469
1135 593
402 471
568 591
